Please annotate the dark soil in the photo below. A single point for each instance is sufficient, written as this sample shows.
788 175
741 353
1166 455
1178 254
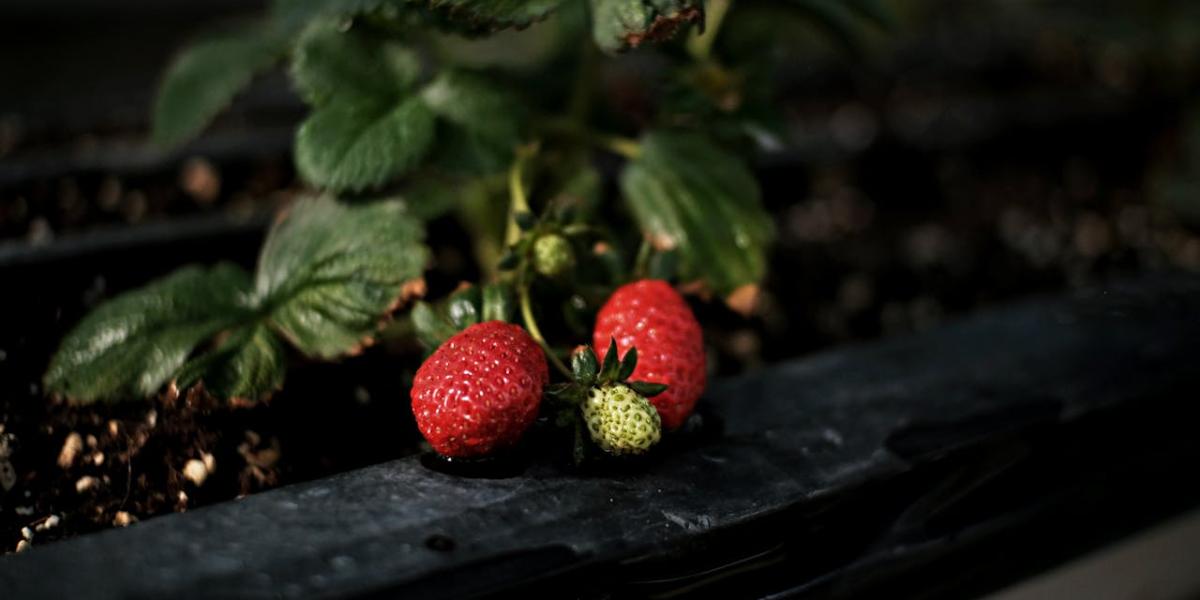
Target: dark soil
98 466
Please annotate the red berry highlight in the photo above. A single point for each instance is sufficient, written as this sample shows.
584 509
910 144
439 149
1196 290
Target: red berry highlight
480 390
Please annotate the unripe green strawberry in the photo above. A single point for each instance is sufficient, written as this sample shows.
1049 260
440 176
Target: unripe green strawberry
552 255
620 420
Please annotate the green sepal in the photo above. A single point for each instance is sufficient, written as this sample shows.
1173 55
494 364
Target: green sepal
435 323
432 329
463 307
612 363
509 260
628 364
497 302
584 366
646 388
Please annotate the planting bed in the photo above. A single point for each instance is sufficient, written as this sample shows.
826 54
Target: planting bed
948 463
968 171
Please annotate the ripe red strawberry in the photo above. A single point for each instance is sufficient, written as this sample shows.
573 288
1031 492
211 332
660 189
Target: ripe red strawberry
480 390
651 316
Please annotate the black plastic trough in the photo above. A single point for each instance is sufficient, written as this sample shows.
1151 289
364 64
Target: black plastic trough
940 465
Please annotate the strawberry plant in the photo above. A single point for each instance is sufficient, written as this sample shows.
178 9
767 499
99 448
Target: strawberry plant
403 127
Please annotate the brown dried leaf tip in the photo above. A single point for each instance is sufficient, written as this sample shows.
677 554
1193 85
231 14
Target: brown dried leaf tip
664 27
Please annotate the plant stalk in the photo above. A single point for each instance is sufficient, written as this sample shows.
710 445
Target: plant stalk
700 45
518 196
622 146
532 326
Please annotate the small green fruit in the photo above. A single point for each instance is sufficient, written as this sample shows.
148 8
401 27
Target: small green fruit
552 255
620 420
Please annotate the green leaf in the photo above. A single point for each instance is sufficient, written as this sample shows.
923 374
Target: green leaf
490 15
355 144
483 123
428 198
470 15
295 14
247 366
330 273
203 80
330 62
327 276
369 129
686 193
623 24
473 103
133 344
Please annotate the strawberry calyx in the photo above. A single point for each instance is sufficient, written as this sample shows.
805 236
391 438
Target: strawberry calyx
588 372
591 379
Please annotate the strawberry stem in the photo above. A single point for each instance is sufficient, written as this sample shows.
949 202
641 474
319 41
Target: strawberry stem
519 197
531 325
700 44
628 148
